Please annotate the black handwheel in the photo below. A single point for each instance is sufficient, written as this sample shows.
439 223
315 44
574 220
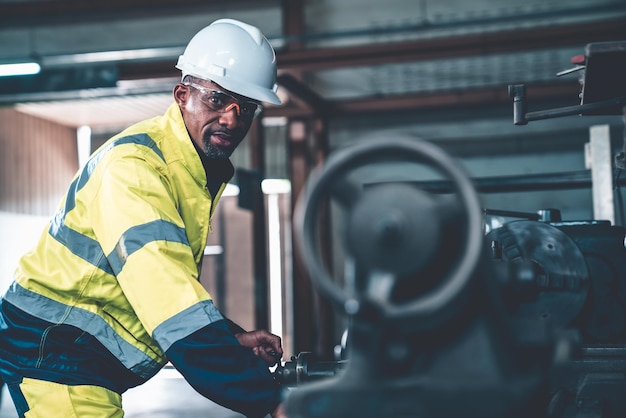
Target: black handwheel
385 229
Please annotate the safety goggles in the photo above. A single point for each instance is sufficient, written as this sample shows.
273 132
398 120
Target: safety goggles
221 102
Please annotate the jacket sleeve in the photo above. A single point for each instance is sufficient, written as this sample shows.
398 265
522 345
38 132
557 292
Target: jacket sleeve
218 367
233 327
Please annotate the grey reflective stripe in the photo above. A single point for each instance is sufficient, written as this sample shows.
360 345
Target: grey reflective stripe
52 311
138 236
185 323
80 245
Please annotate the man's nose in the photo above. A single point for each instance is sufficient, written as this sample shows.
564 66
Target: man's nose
228 118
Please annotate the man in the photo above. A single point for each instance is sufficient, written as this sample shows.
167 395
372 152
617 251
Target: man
110 294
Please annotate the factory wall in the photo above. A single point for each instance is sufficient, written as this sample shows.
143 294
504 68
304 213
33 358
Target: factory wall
38 160
229 275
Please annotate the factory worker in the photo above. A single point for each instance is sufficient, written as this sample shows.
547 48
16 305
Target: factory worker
111 292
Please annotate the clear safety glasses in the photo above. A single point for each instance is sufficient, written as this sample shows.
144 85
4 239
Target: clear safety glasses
221 102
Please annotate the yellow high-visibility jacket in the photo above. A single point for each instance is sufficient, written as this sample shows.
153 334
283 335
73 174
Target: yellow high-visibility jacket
121 258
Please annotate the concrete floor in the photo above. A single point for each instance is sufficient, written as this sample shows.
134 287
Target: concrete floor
167 395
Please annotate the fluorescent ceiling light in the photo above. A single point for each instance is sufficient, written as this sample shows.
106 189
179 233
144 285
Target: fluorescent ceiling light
20 68
147 54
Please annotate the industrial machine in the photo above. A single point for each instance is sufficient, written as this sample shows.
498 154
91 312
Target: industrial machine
528 320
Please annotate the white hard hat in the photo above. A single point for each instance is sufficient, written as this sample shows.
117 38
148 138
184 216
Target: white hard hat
234 55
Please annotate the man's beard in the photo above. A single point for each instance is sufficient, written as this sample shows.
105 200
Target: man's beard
211 151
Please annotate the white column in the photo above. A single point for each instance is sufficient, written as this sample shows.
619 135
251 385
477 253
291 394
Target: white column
83 142
599 159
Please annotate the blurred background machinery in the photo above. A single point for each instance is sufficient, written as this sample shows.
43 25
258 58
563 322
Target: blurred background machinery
528 320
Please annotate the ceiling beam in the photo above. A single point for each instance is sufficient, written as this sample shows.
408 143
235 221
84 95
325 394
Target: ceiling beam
545 92
553 36
49 12
313 59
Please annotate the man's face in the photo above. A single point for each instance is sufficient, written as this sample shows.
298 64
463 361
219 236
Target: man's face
216 119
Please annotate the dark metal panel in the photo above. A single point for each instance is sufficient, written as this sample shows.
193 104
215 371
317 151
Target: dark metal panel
259 229
303 307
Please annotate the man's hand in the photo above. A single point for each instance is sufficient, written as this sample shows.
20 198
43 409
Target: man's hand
264 344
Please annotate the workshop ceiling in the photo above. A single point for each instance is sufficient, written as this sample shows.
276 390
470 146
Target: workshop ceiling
108 63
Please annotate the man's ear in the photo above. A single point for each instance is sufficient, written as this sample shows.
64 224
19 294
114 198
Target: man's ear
181 94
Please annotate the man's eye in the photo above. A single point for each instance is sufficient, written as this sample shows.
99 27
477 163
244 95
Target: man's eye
216 99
